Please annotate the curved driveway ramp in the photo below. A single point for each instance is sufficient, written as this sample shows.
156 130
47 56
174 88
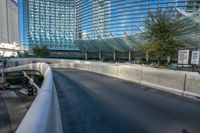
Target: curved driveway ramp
13 107
93 103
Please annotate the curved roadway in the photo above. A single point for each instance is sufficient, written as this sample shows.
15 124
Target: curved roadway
93 103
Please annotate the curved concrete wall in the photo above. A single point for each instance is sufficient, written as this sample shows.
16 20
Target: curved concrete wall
168 80
44 113
192 84
178 82
131 73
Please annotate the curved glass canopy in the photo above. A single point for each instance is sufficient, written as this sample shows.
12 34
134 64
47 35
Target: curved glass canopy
123 44
136 41
192 38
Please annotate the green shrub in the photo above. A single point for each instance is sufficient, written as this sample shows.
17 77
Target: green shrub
13 80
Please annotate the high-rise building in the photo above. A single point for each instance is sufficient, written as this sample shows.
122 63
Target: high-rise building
3 22
120 23
192 5
9 31
47 22
100 18
115 18
58 24
23 23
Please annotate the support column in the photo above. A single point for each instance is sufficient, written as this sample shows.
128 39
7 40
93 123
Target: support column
3 76
147 56
129 56
168 59
86 55
100 56
114 56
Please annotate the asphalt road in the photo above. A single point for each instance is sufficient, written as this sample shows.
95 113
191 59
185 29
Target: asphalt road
93 103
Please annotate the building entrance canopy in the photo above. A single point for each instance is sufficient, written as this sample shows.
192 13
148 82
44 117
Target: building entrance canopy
136 42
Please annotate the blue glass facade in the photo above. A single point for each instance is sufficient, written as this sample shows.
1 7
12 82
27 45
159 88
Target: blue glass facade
23 23
48 22
115 18
58 24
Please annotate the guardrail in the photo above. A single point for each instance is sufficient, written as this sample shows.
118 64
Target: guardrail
44 114
178 82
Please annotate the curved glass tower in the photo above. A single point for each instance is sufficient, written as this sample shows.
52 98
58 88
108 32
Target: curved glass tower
90 24
48 22
115 25
113 18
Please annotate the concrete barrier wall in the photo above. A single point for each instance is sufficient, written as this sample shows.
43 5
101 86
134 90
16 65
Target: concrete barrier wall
192 84
131 73
179 82
109 70
168 80
44 114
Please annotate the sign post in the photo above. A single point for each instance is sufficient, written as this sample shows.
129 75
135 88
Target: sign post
183 57
195 59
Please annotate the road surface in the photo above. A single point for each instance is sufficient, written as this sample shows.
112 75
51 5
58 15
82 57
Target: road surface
93 103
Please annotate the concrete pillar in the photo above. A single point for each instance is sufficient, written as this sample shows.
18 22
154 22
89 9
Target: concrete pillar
114 56
168 59
147 56
129 56
100 56
86 55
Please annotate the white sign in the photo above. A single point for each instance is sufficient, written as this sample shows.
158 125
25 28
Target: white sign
195 57
183 57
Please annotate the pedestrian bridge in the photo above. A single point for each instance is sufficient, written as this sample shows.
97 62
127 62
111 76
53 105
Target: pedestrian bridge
83 96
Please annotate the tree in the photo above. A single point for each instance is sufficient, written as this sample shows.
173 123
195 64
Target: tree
162 30
41 51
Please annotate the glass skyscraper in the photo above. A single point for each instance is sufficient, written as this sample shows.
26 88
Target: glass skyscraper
192 5
48 22
58 24
114 18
